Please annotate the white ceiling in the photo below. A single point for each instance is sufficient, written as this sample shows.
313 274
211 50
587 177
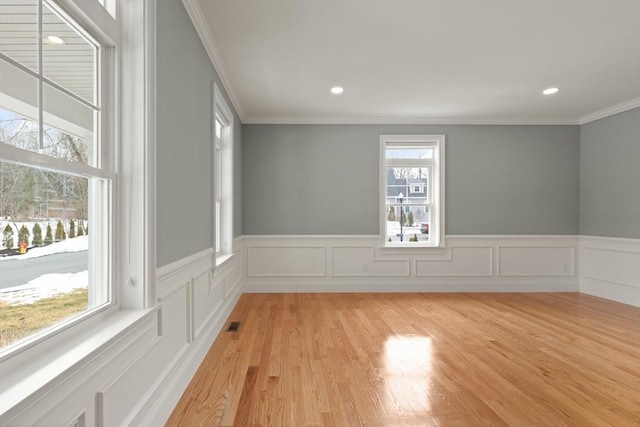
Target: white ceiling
451 61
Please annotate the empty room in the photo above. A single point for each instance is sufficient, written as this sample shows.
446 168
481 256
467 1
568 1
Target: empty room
319 213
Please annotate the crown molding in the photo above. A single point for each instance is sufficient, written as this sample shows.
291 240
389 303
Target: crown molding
204 32
405 121
610 111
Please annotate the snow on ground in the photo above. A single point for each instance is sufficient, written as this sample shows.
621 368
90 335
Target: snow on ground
76 244
393 227
44 286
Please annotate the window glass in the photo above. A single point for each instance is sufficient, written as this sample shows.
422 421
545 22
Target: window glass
68 113
409 153
56 206
44 258
401 181
405 222
68 58
19 31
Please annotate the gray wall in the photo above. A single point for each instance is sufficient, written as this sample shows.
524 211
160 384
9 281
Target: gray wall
323 179
184 80
610 176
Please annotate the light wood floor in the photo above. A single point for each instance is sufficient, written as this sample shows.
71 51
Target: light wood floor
420 360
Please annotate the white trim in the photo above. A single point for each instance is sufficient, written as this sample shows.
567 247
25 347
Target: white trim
95 17
17 397
202 28
168 270
367 286
136 170
610 111
285 120
149 161
633 244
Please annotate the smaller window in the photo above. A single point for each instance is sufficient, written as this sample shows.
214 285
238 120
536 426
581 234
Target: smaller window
222 175
412 190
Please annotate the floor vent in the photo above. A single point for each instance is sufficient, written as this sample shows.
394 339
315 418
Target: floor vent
233 327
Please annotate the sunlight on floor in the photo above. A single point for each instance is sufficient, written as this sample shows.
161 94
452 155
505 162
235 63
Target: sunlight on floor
407 361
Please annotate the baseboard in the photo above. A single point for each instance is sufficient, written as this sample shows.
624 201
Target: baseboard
389 287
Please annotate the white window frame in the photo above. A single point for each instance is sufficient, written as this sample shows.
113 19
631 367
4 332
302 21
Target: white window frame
435 185
128 120
222 178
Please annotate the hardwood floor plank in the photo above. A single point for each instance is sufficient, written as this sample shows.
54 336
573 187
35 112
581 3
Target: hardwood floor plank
560 359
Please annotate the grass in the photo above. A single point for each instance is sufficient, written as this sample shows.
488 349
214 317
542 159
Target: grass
20 321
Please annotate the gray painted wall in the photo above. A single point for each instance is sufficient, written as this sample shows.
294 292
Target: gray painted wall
323 179
610 176
184 80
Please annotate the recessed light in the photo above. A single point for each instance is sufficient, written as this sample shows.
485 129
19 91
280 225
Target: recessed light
337 90
550 91
54 40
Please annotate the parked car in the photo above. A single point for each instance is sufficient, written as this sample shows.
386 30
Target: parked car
424 227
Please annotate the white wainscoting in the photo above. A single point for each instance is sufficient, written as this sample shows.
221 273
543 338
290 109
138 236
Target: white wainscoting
359 264
139 377
610 268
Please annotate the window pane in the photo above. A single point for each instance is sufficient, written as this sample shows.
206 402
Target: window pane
407 222
19 31
18 93
68 128
44 259
402 184
409 153
68 59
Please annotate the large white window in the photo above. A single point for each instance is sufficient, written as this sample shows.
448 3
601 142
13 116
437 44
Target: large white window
56 171
222 176
412 190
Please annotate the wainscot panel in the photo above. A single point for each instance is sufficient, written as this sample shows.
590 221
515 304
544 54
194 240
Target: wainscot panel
360 264
137 379
610 268
290 261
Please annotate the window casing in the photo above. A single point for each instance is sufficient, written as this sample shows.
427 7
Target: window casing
222 176
412 190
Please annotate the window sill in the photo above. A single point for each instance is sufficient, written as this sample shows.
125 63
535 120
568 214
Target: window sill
222 260
413 248
24 376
